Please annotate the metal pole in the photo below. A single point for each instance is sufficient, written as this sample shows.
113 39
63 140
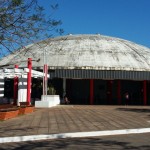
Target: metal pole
29 81
45 72
45 79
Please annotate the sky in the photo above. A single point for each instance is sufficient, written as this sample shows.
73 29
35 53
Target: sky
126 19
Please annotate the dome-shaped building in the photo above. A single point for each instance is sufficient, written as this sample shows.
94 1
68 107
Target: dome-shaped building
91 69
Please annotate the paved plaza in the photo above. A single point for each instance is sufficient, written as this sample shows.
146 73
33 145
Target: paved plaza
77 118
80 118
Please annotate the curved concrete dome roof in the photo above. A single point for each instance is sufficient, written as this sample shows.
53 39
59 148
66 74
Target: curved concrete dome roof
95 52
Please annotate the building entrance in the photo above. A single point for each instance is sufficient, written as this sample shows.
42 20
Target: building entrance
105 92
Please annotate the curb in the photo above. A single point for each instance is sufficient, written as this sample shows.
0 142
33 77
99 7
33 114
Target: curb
73 135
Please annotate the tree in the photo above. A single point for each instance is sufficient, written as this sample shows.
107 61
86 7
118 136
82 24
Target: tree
23 22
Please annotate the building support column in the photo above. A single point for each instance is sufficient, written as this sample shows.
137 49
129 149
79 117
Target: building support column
64 87
15 88
144 93
29 81
119 92
91 91
109 91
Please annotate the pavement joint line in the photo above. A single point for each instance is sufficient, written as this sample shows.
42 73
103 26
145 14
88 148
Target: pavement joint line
72 135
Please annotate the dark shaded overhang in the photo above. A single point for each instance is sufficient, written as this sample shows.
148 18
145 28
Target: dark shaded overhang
100 74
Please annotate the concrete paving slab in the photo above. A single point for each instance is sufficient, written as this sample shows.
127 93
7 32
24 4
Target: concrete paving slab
77 118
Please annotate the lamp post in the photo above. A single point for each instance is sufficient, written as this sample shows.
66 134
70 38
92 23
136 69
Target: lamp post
45 71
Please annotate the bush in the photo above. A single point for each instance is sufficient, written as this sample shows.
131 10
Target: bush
51 90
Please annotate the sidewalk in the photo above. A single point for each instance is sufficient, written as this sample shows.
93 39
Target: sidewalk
77 118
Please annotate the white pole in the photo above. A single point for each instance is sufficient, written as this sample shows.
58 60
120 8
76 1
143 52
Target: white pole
43 73
45 70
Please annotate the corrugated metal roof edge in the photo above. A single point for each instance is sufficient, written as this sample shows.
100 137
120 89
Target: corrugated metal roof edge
88 68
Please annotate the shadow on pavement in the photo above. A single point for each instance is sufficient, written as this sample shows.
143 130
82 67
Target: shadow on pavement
138 110
78 143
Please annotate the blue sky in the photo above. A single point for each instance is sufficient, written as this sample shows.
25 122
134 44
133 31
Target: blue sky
127 19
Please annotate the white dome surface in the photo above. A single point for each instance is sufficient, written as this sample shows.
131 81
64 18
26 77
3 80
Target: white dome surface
95 52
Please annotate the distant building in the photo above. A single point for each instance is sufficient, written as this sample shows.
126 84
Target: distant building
92 69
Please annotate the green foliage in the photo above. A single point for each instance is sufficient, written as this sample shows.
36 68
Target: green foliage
23 22
16 3
51 90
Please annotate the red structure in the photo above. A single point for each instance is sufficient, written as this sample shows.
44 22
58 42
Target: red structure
29 81
91 91
15 88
